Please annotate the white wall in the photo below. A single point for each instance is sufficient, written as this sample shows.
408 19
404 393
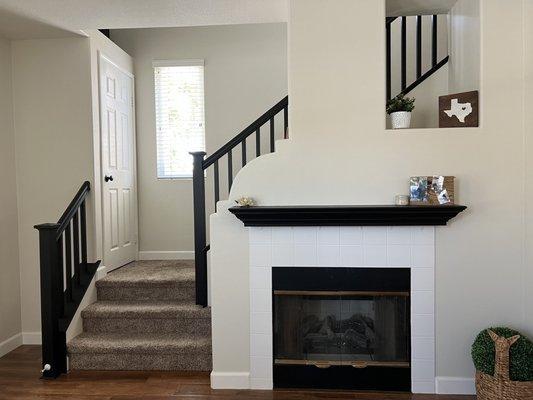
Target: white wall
52 103
340 154
56 114
464 46
245 74
10 320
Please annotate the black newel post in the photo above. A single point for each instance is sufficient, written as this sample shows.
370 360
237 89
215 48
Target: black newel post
200 253
54 359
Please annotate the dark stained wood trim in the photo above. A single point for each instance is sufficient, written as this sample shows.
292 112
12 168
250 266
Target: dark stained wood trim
363 215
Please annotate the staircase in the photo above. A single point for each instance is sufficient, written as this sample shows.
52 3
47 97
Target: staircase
145 318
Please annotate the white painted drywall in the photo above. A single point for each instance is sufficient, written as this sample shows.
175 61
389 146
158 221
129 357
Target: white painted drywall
340 154
245 74
52 103
56 114
10 320
464 39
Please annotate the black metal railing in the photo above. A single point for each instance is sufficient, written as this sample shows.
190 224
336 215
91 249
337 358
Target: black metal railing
420 76
201 164
65 276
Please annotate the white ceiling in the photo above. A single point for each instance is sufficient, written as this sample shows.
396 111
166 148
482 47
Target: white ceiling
396 8
23 19
49 18
16 26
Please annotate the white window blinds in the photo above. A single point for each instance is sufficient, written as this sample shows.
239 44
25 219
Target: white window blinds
180 119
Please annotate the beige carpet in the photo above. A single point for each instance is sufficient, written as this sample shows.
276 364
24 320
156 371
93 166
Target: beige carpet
145 319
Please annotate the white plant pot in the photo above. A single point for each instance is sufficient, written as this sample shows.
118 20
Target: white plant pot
400 119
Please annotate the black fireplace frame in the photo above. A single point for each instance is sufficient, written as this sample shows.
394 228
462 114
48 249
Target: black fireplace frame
342 279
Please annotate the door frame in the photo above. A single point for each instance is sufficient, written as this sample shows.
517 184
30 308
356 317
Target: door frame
100 179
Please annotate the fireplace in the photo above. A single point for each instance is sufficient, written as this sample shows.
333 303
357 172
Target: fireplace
354 259
341 328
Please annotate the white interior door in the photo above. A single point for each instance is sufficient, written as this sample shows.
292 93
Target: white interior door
119 195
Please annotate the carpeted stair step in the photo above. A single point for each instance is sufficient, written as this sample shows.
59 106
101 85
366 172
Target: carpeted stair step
135 351
149 281
186 319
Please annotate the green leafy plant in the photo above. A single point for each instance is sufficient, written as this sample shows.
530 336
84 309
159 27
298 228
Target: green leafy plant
400 103
520 354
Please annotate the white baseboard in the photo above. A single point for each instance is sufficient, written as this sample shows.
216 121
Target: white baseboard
101 272
455 385
31 338
230 380
166 255
10 344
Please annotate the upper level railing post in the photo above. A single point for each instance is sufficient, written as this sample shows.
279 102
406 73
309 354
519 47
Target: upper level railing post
53 340
200 256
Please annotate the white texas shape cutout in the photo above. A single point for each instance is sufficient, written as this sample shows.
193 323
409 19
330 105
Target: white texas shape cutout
460 110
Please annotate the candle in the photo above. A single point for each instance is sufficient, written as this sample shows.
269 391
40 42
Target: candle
401 200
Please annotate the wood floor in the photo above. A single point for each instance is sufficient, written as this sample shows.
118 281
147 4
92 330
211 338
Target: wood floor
19 380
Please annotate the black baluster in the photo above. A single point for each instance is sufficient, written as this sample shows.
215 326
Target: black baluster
388 60
272 133
418 46
83 226
434 44
243 151
230 170
76 244
258 142
68 262
286 122
404 53
217 184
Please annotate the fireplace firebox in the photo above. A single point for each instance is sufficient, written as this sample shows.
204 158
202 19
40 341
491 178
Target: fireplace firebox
341 328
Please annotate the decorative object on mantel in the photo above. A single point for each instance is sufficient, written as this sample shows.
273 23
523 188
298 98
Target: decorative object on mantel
245 201
504 362
399 108
363 215
401 200
459 110
432 190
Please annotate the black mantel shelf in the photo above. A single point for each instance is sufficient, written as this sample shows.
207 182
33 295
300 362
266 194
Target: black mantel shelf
364 215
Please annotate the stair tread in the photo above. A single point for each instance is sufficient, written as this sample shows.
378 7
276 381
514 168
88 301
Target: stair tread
151 273
145 309
98 343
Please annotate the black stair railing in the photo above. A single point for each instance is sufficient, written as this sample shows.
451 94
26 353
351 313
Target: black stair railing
201 164
420 76
65 276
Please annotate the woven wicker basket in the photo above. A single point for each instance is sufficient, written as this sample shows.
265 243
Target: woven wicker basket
499 386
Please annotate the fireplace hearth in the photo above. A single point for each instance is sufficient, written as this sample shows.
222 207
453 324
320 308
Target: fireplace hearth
341 328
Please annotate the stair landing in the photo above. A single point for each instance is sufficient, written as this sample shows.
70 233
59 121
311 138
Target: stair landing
145 318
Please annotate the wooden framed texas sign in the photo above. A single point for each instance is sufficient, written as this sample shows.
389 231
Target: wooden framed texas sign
459 110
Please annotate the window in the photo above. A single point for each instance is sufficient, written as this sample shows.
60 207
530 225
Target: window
179 112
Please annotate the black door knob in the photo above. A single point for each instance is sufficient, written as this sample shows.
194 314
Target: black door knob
108 178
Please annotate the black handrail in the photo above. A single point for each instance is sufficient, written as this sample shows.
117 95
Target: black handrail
252 128
59 304
201 164
73 207
420 77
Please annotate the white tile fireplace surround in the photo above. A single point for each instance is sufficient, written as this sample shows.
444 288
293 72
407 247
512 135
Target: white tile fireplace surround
376 247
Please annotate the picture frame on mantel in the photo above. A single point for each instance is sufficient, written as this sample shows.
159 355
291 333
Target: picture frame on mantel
459 110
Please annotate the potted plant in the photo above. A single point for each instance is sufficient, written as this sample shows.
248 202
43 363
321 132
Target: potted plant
399 108
504 362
